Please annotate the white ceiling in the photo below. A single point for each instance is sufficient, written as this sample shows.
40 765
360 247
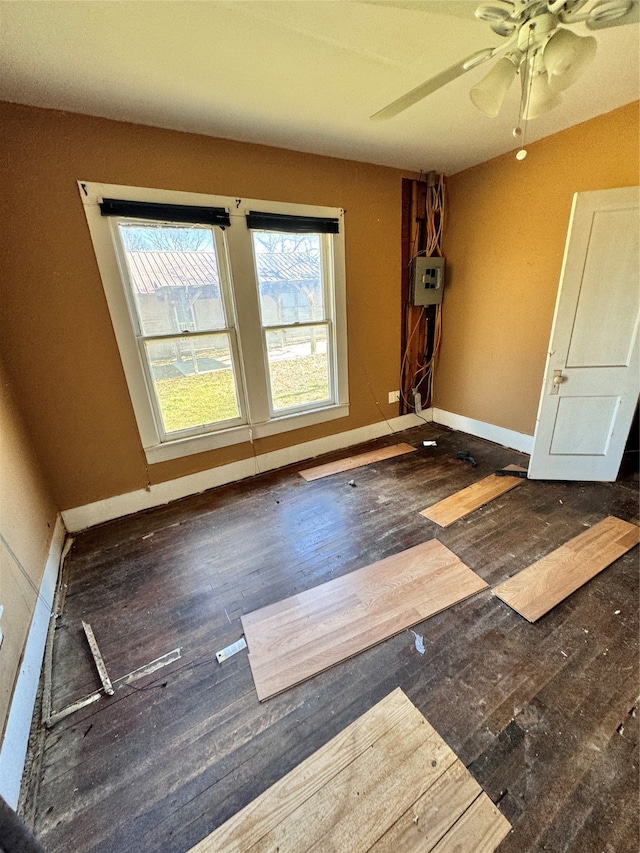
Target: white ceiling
300 74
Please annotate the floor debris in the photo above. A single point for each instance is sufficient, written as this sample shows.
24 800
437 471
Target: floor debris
419 642
510 472
231 650
98 659
467 457
136 674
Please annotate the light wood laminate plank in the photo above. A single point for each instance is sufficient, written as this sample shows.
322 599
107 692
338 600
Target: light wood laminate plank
361 791
480 829
290 642
422 826
358 805
279 801
359 461
456 506
544 584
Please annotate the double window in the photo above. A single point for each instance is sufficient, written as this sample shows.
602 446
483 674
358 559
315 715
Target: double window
229 313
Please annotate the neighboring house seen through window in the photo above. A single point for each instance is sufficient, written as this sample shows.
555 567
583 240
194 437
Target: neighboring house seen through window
229 313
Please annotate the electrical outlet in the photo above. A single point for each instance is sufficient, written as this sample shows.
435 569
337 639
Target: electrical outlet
394 396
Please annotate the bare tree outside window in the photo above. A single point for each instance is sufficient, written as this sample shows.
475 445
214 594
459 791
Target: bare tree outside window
164 238
286 243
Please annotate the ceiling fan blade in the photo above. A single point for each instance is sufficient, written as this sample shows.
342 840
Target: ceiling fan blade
435 83
632 16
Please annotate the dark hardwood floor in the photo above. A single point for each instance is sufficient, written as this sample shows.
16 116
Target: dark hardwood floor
544 715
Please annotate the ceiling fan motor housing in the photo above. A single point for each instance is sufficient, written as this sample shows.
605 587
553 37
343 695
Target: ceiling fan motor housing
535 32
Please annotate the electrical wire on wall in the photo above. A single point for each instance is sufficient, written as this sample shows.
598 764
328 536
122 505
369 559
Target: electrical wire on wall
435 215
422 325
408 370
423 384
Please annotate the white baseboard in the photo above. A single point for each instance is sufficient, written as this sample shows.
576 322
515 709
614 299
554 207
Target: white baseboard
82 517
16 737
79 518
499 435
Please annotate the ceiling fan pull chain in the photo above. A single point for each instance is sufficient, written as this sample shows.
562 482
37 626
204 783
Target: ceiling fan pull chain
526 70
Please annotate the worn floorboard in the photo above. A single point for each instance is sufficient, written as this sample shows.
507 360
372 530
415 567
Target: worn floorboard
295 639
543 715
388 782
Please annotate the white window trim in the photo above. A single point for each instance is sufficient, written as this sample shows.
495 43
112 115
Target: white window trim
259 422
227 296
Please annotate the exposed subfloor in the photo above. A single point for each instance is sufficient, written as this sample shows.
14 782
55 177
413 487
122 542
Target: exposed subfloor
544 715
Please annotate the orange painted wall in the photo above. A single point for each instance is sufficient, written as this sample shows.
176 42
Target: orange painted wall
505 233
56 333
27 520
504 239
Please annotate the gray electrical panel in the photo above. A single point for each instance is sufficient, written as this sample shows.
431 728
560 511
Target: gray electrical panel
427 280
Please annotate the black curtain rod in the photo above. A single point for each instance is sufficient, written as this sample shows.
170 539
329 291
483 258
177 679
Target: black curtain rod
292 224
165 212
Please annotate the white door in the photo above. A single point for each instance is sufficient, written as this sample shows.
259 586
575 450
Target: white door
592 377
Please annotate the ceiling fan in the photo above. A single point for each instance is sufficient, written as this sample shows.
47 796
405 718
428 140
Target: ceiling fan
540 49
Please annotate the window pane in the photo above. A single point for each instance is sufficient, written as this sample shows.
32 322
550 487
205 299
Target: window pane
298 366
289 271
193 380
174 277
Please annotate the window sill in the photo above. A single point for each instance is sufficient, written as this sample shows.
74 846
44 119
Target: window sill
236 435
